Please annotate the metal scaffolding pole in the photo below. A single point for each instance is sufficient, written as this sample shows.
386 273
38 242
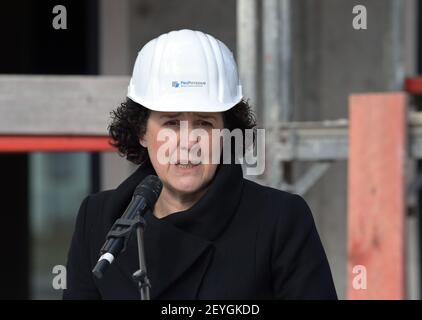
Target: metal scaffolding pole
397 44
285 46
276 78
247 49
271 62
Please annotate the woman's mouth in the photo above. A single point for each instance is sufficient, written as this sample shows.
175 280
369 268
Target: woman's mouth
186 165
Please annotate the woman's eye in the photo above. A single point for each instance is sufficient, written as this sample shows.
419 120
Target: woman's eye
171 123
205 124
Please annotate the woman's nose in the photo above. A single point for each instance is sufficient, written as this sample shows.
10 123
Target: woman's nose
187 139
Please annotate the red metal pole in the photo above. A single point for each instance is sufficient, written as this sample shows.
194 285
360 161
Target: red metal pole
376 196
54 143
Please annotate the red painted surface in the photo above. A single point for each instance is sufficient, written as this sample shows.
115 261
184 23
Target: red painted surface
54 143
376 195
413 85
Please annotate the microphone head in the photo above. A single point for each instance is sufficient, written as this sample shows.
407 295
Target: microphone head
149 188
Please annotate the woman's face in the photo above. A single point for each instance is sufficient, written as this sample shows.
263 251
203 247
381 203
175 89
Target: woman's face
172 157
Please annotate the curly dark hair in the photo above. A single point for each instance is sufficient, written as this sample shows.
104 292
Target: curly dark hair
129 124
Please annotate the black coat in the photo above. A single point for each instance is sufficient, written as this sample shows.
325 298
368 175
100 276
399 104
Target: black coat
241 240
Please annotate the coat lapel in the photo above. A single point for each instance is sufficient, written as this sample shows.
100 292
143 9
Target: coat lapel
178 248
170 254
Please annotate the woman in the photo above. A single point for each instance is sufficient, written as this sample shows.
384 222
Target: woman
212 233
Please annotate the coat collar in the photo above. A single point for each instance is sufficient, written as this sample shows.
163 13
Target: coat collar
182 240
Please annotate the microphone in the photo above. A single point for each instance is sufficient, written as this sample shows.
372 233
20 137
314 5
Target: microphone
143 199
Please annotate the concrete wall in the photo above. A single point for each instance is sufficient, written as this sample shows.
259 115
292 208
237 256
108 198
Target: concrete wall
150 18
330 61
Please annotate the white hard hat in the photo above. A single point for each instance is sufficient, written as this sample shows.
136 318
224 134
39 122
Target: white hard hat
185 71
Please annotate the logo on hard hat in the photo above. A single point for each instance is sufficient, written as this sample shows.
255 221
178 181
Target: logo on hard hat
188 84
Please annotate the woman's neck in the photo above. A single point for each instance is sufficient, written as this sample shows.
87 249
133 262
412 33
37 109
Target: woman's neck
170 202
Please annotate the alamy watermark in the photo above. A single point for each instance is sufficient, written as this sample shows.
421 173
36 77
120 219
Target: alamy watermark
214 148
359 281
60 19
59 281
360 21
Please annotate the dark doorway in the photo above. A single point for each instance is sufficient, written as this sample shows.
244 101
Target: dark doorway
30 45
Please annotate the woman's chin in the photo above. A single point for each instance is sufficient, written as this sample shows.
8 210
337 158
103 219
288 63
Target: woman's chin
186 184
188 180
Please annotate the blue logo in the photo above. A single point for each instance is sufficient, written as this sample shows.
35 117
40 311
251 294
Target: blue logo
188 84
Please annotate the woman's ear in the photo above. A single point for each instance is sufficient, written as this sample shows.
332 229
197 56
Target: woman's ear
143 142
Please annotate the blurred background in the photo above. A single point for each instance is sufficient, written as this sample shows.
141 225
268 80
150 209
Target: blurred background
299 62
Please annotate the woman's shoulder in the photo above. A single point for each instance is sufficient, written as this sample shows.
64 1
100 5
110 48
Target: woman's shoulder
92 208
272 196
96 200
275 204
100 196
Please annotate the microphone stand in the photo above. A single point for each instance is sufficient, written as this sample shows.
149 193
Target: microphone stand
140 276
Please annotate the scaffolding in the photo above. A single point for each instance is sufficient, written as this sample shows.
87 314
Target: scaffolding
68 113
